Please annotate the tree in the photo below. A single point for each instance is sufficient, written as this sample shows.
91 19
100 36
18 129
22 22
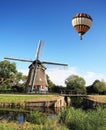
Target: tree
7 73
99 86
50 83
19 82
75 84
9 76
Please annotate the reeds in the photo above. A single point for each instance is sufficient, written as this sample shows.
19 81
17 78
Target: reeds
77 119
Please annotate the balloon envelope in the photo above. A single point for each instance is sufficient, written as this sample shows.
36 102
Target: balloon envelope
82 23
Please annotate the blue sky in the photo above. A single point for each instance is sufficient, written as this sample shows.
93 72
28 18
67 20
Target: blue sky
24 22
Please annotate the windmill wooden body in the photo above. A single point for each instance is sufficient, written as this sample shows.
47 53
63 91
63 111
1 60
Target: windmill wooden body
37 78
37 81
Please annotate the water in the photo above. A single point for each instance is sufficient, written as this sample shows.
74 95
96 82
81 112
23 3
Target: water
21 115
13 115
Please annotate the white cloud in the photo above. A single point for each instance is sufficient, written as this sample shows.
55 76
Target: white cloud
25 72
90 77
58 76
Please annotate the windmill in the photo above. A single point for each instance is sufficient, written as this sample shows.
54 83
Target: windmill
37 80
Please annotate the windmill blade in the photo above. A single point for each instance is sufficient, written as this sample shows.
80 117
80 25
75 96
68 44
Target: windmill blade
17 59
38 49
54 63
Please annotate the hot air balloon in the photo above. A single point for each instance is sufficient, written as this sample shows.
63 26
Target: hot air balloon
82 23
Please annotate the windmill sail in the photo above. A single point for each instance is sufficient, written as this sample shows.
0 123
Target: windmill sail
17 59
38 49
54 63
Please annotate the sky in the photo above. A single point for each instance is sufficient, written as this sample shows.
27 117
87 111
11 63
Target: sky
24 22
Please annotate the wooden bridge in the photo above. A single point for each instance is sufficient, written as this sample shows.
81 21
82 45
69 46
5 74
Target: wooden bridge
72 94
92 101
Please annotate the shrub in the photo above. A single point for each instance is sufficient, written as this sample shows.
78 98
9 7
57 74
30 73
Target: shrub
77 119
37 117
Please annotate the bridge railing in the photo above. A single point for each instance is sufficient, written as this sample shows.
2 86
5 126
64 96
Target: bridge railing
71 92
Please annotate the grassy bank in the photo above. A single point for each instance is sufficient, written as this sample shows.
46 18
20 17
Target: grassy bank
98 98
22 101
22 98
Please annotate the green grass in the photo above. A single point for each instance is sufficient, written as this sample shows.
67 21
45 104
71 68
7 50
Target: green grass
51 125
48 124
77 119
22 98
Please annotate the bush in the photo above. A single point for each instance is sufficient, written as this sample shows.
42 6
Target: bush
77 119
37 117
42 122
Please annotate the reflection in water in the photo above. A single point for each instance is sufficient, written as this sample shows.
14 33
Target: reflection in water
19 116
10 115
45 110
